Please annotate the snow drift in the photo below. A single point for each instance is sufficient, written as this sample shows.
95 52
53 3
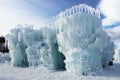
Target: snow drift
76 39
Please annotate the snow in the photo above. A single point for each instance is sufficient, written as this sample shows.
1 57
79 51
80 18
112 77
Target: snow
8 72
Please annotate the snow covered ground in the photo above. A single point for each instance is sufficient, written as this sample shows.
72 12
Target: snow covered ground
8 72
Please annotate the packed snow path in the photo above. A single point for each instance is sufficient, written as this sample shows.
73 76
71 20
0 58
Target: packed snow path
8 72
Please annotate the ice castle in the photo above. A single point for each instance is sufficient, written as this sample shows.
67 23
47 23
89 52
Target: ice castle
75 42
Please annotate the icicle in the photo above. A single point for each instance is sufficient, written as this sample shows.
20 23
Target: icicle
92 10
66 12
76 9
19 36
79 8
83 8
63 14
88 9
70 11
73 11
98 13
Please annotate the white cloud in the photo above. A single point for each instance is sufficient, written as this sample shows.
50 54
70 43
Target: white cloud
114 33
108 21
17 12
111 9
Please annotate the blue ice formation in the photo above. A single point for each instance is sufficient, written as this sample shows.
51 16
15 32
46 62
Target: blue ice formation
17 46
74 41
82 41
31 47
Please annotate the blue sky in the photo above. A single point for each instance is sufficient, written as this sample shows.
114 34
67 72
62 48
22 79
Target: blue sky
37 12
48 8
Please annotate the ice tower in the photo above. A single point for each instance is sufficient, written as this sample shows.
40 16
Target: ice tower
82 41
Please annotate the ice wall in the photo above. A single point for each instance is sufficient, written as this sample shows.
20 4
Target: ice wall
29 47
81 39
17 46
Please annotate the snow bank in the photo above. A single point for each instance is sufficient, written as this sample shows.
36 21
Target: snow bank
13 73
